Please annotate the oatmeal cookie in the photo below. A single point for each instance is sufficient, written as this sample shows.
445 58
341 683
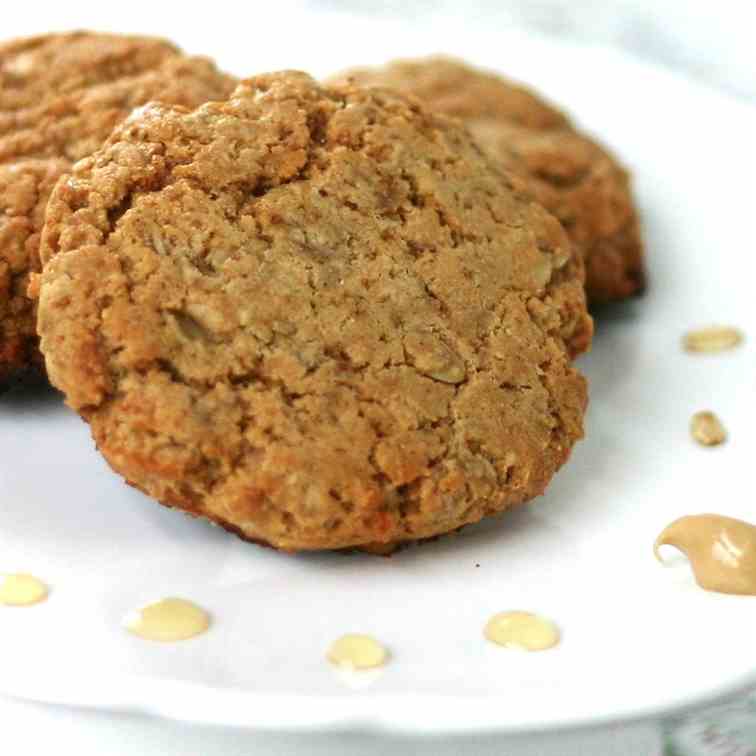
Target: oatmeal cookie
320 317
60 97
573 176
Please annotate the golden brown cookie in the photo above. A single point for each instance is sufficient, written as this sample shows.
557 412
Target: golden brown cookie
318 316
570 174
60 97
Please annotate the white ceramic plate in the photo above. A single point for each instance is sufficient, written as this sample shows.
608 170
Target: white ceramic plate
638 639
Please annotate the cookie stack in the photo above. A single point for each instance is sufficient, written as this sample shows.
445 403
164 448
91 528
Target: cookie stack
60 97
322 316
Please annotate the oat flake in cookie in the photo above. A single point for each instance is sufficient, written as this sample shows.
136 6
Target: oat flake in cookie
570 174
318 316
60 97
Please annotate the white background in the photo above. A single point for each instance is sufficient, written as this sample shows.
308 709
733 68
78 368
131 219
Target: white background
711 42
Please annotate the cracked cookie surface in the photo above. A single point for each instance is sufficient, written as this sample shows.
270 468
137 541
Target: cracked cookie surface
60 97
570 174
317 316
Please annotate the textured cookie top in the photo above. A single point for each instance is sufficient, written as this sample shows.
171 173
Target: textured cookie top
570 174
62 94
35 69
60 97
317 315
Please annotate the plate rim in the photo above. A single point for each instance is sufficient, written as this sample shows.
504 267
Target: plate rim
395 714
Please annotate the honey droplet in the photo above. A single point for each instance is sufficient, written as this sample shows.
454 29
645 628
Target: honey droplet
168 620
522 630
357 652
712 339
21 590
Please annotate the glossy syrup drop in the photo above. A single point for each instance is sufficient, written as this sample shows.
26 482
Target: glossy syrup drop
21 589
168 620
357 652
522 630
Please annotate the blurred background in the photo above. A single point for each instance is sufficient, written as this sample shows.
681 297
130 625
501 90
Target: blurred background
711 41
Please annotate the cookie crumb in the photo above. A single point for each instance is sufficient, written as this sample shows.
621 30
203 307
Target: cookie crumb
707 429
712 339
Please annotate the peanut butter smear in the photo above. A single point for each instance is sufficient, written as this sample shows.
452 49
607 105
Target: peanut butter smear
721 551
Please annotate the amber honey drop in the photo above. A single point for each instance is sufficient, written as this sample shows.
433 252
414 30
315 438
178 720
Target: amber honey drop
21 589
522 630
